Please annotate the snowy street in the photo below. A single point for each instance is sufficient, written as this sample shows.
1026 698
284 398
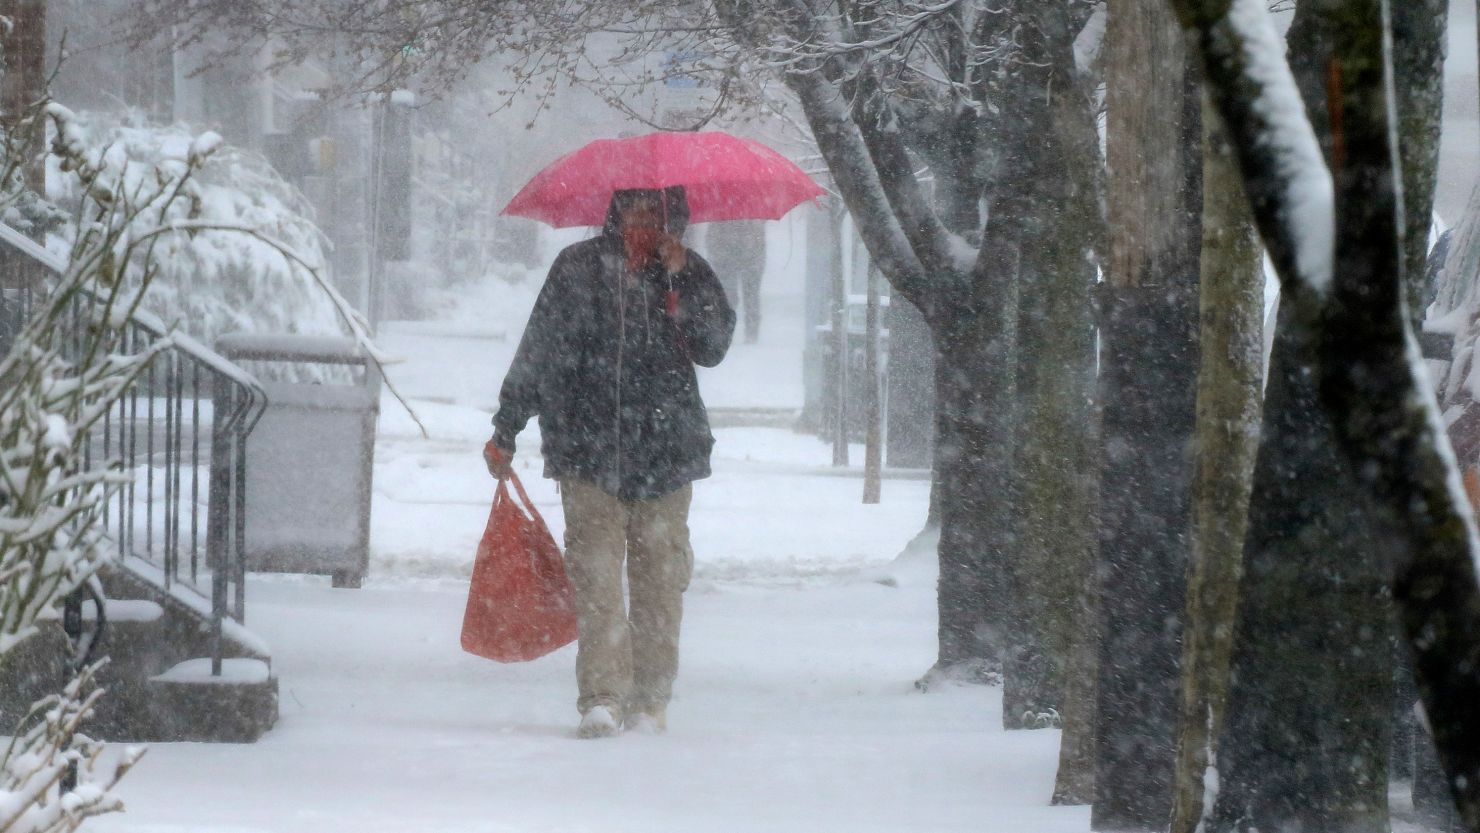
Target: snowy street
794 708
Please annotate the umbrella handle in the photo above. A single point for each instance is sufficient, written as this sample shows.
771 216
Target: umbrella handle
671 299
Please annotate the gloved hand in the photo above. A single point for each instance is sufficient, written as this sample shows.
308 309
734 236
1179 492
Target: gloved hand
500 462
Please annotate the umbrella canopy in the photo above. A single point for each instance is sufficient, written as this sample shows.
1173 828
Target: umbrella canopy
724 177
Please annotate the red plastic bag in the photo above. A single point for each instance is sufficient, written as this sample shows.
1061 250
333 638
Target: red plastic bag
521 604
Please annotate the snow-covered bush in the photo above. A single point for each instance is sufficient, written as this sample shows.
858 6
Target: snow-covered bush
63 372
212 284
150 228
143 225
22 209
49 748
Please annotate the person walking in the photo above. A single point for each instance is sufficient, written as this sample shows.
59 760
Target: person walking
607 364
738 251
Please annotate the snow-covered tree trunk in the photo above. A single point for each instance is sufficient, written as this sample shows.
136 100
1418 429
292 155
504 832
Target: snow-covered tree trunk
1335 235
1148 372
967 300
976 418
962 268
1313 580
1230 389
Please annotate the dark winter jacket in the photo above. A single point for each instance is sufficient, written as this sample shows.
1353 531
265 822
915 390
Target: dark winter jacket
611 374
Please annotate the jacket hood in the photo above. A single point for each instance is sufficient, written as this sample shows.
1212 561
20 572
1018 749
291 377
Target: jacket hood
676 205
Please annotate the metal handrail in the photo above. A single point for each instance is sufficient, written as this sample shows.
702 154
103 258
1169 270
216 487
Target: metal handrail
144 319
193 374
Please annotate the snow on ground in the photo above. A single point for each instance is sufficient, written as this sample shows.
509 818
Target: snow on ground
774 506
794 710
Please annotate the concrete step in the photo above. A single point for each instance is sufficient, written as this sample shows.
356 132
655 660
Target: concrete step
153 688
187 612
189 703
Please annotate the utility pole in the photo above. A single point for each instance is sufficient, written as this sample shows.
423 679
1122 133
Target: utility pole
840 336
390 197
873 452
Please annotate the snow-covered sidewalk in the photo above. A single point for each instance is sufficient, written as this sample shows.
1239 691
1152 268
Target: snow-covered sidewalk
794 710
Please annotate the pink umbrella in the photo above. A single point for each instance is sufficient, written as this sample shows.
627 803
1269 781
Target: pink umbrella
724 178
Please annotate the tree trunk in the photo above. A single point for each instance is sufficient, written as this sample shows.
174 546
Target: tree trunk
1371 384
1056 454
1074 783
1419 29
976 418
1052 542
1392 431
1056 459
1310 669
1307 747
974 390
1060 444
1148 394
958 203
1229 393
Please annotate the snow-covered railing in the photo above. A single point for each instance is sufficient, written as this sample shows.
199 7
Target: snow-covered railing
181 432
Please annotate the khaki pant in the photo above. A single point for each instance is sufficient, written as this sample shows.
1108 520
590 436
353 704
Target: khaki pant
627 659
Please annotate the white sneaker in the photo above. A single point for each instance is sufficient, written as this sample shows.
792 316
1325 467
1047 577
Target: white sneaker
647 723
599 722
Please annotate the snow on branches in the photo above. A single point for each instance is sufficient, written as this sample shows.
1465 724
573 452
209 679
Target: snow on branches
210 284
46 752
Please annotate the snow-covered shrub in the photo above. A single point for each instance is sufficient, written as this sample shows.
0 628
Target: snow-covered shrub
60 377
212 284
49 748
25 210
22 209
